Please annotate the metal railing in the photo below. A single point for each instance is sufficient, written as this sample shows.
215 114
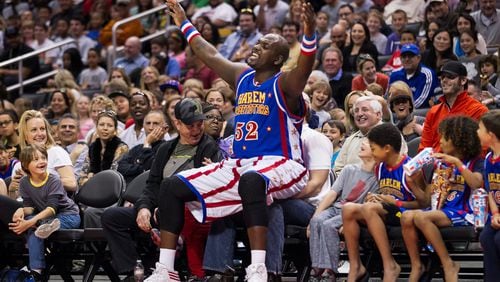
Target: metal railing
129 19
20 59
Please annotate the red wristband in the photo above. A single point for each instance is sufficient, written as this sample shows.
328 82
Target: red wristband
494 213
399 203
462 168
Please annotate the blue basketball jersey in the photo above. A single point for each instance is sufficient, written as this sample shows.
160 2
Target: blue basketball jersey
263 124
458 197
492 176
392 181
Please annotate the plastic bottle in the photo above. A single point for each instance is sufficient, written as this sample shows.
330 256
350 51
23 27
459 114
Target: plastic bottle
480 207
139 271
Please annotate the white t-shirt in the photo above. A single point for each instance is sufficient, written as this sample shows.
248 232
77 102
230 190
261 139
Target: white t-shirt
57 157
223 11
317 151
129 137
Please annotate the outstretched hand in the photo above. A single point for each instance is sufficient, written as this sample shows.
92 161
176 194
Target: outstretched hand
308 18
176 11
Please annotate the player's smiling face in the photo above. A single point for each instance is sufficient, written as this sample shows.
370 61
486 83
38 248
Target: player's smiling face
263 51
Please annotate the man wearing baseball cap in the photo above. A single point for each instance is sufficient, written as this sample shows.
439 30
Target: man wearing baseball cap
189 150
421 79
455 101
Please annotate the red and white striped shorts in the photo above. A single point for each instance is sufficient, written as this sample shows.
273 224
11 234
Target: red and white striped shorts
216 185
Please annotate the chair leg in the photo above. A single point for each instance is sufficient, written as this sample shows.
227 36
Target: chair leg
110 271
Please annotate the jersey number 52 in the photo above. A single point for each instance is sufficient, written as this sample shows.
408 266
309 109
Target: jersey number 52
251 129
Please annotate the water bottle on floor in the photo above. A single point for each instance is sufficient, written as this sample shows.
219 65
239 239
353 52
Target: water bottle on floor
139 271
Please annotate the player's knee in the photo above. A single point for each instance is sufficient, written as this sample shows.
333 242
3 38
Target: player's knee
407 219
252 187
348 210
370 209
420 219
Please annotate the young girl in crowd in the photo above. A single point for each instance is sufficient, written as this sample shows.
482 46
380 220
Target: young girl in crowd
335 131
489 134
83 113
471 56
461 152
44 197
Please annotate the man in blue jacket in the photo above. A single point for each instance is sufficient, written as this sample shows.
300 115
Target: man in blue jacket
421 79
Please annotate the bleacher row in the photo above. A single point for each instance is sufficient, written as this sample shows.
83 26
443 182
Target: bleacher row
89 244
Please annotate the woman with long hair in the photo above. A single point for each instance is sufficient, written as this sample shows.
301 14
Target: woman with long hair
60 103
360 44
35 129
440 51
471 55
82 110
462 23
72 61
150 80
106 150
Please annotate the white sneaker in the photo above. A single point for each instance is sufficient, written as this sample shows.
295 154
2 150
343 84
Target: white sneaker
256 272
162 274
43 231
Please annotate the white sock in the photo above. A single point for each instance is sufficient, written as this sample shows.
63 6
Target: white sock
258 256
167 258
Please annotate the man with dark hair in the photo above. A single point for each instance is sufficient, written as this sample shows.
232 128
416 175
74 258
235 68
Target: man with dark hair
488 21
421 79
15 47
455 101
290 31
67 132
77 31
239 44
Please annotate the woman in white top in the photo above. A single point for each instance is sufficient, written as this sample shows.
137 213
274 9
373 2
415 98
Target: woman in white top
34 129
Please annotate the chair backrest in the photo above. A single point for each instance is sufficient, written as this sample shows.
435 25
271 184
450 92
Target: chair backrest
413 146
135 187
422 112
102 190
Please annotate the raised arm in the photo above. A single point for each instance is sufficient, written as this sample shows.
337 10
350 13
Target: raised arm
226 69
293 82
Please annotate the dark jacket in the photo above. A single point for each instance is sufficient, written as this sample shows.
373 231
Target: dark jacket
207 148
138 160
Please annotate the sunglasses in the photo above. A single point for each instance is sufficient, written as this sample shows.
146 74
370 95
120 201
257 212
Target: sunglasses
246 10
109 113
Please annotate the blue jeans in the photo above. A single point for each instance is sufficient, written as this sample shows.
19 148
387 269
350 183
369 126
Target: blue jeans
36 246
219 249
490 241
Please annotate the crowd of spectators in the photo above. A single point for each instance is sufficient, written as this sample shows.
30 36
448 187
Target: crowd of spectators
378 61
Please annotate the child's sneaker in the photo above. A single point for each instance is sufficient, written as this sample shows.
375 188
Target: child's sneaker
162 274
256 272
43 231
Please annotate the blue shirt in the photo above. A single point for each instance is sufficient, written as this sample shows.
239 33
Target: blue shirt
130 65
173 69
492 177
392 181
459 193
423 83
234 41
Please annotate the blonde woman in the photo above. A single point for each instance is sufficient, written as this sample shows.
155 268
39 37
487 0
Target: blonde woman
150 80
35 129
64 79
